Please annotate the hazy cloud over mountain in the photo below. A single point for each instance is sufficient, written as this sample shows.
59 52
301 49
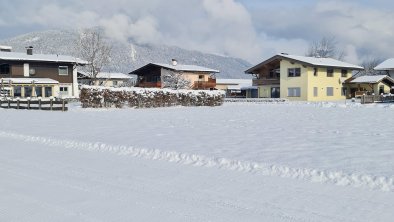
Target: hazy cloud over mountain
249 29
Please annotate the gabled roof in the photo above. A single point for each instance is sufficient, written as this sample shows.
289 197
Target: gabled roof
372 79
107 75
310 61
181 68
17 56
386 65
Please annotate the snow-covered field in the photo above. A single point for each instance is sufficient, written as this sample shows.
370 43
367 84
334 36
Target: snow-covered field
238 162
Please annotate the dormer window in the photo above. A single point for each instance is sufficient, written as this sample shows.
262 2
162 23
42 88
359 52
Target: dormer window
330 72
63 70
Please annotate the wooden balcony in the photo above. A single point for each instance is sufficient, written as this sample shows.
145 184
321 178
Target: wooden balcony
144 84
211 83
263 81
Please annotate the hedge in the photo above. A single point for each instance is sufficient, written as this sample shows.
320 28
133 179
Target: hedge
99 97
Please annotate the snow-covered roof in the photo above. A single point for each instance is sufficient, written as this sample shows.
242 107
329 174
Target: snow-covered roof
178 67
17 56
108 75
29 80
5 47
329 62
190 68
386 65
235 84
371 79
314 61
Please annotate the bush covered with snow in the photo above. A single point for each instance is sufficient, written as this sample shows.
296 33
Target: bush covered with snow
98 97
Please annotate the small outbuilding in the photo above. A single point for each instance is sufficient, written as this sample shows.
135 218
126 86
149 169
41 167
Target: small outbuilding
377 84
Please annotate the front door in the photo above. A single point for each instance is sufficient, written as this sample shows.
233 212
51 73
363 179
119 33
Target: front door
275 92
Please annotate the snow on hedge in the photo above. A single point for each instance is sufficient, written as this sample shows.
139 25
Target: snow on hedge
98 97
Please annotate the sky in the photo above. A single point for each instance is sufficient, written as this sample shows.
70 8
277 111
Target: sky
253 30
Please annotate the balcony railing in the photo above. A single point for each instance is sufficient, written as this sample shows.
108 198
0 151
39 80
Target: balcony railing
211 83
263 81
144 84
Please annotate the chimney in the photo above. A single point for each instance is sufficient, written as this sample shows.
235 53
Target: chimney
29 50
174 62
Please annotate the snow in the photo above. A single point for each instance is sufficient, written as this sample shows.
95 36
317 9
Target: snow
108 75
17 56
235 84
293 161
386 65
189 68
329 62
371 79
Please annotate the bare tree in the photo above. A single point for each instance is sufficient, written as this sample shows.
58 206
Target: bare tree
175 80
327 47
92 47
369 64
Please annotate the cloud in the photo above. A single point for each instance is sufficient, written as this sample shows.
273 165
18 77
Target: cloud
251 30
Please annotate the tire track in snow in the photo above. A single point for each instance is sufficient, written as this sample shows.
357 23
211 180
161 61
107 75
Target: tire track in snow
313 175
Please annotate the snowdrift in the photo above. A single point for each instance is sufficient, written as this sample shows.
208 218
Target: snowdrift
98 97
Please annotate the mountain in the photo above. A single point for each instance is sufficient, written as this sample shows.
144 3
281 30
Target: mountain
127 57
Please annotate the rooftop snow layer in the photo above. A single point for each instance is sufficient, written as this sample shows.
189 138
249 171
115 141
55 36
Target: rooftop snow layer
370 79
30 80
386 65
321 61
108 75
17 56
235 84
186 68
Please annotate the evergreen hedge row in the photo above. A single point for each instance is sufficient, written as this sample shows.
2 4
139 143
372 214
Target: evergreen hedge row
99 97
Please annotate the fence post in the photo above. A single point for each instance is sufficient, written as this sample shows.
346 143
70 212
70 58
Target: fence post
9 103
51 103
63 105
28 103
39 103
17 103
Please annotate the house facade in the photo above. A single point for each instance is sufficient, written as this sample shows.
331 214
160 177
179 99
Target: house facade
301 78
152 74
33 75
108 79
387 67
375 84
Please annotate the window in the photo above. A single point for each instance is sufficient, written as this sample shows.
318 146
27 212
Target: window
294 72
200 77
4 69
344 91
38 91
28 91
152 78
330 91
48 91
115 83
294 92
17 91
315 71
63 70
63 90
315 91
344 73
330 72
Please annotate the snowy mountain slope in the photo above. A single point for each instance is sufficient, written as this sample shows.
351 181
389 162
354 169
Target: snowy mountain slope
129 56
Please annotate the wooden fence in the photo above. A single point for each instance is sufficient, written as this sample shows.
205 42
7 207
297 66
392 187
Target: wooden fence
377 99
34 104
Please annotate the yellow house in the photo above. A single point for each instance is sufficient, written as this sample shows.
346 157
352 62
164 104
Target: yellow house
152 74
302 78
